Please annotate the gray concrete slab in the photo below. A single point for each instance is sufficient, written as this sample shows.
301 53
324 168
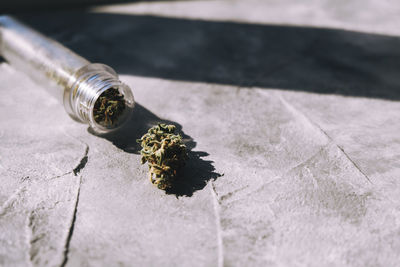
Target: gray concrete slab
291 114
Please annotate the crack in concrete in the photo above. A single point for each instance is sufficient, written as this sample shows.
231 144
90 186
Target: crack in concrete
78 167
81 165
298 113
32 238
230 194
10 200
30 224
352 161
29 234
280 176
217 204
342 151
308 159
59 176
82 162
71 227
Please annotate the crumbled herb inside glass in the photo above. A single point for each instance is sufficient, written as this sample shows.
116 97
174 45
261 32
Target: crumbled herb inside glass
165 154
108 107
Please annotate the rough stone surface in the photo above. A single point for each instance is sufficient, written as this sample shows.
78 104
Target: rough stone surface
291 112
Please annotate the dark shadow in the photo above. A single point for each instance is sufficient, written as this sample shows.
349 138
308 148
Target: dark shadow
197 171
29 6
142 119
326 61
195 175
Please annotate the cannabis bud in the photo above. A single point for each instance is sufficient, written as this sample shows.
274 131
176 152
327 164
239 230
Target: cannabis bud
108 107
165 154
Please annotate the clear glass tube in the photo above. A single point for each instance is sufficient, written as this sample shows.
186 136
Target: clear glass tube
76 82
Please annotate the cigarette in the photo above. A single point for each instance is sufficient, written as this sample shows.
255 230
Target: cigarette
90 92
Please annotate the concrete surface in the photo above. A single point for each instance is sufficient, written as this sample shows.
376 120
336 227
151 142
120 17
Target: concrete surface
291 112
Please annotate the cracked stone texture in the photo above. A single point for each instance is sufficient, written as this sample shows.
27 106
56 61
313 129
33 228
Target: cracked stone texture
291 111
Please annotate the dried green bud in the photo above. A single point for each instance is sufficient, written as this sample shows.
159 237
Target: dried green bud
108 107
165 154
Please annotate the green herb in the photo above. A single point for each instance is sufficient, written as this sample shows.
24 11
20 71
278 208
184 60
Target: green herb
108 107
165 154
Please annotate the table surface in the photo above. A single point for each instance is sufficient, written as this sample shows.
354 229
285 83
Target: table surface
291 113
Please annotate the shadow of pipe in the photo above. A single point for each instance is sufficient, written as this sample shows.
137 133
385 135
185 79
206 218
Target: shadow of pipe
326 61
142 119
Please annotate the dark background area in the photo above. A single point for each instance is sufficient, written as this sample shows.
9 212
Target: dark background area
25 6
309 59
